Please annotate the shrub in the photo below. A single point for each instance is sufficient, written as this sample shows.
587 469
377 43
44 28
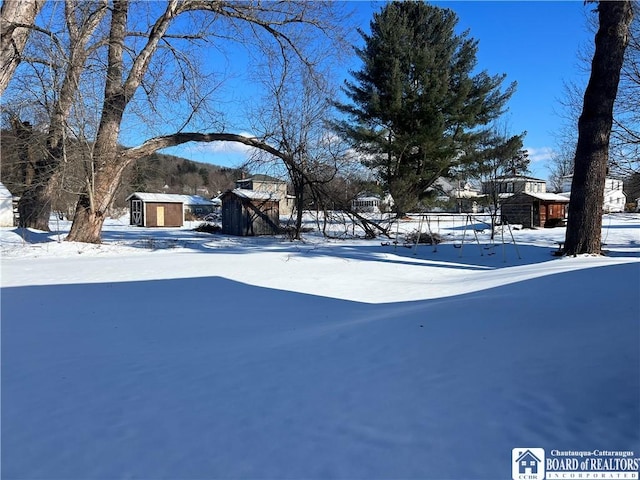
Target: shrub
208 228
555 222
424 237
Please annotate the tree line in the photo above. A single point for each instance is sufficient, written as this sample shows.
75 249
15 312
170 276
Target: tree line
156 173
84 73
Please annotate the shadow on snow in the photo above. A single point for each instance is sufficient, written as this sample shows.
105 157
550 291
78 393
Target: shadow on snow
207 377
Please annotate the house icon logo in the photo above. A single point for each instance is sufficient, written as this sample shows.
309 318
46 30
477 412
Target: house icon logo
527 464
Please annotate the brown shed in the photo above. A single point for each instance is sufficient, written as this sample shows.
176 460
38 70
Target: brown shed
156 209
534 209
249 212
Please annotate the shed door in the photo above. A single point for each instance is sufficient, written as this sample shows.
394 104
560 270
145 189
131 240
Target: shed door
160 216
537 221
136 212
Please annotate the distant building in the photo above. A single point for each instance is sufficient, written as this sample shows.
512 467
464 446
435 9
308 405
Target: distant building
370 203
450 189
6 207
366 203
274 186
165 209
614 197
508 185
534 209
250 212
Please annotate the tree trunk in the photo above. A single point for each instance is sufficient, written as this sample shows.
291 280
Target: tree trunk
299 213
34 207
93 204
87 223
594 129
12 37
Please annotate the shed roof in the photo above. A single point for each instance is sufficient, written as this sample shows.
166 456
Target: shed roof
170 198
547 197
253 194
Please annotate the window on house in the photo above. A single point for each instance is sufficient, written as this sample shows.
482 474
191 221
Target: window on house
509 187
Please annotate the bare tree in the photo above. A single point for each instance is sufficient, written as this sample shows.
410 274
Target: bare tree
625 133
499 154
594 129
61 67
293 117
16 23
561 167
282 22
624 147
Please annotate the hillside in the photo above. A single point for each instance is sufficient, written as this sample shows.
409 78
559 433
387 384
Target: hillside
156 173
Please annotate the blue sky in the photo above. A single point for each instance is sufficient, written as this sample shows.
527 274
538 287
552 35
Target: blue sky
535 44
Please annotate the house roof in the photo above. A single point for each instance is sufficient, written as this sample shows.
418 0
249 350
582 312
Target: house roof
170 198
516 178
367 196
253 194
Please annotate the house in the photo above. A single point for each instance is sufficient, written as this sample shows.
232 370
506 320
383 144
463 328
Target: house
371 203
366 203
528 463
6 207
534 209
456 195
197 207
274 186
507 185
165 209
451 189
614 197
250 212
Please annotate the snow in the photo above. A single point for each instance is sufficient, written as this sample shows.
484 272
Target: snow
169 353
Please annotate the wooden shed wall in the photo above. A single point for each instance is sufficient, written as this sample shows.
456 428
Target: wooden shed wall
518 213
531 212
244 217
163 215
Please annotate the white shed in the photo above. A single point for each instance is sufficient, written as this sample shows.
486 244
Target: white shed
6 207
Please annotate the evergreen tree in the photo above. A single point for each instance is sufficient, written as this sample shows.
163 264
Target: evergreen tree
416 105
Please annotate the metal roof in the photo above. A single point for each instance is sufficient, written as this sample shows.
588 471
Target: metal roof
517 178
170 198
549 197
254 194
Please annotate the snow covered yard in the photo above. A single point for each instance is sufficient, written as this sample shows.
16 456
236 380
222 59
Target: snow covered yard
169 353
